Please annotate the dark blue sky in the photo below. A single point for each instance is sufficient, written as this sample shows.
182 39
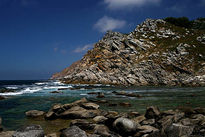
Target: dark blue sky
41 37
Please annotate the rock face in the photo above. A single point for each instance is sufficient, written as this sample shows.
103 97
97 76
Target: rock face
29 131
155 53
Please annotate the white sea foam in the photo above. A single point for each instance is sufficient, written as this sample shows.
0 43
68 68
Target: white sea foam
23 91
12 87
56 87
58 83
11 93
40 83
83 94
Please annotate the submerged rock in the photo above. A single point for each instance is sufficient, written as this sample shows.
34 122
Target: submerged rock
2 98
34 113
29 131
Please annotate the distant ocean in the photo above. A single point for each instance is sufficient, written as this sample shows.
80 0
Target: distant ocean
37 94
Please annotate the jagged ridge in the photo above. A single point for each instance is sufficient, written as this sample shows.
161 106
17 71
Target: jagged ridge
155 53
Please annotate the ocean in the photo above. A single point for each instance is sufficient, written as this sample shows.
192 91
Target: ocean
37 94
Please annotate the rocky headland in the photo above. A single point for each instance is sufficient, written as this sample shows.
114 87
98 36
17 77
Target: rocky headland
157 52
88 120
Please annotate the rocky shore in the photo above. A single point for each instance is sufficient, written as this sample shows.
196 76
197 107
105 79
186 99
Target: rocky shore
155 53
88 120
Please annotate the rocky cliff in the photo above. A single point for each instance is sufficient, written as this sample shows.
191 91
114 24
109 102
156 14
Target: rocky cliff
155 53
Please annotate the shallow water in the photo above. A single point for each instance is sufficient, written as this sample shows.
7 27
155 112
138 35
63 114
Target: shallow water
36 95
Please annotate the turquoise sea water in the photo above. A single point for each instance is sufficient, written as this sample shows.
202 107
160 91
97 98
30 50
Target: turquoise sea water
31 95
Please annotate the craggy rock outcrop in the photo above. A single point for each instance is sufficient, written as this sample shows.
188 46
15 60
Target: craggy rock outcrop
80 109
183 122
155 53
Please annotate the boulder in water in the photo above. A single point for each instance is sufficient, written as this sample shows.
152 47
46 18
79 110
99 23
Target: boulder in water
73 131
34 113
29 131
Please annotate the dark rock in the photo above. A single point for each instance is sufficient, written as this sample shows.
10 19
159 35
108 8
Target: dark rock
50 115
63 88
200 110
125 126
102 130
152 112
133 95
125 104
83 124
57 108
29 131
102 101
148 122
1 128
2 98
187 110
5 90
145 130
178 130
134 114
112 105
139 119
168 112
92 93
73 131
100 95
56 92
34 113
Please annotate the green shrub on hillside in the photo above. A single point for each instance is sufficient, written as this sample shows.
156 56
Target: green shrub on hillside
186 23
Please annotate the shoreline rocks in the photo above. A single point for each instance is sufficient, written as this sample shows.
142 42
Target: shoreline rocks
87 120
